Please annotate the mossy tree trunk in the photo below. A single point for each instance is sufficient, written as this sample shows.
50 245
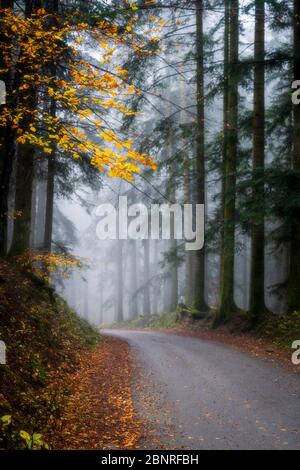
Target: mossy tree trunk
24 165
199 272
172 248
23 200
189 256
227 303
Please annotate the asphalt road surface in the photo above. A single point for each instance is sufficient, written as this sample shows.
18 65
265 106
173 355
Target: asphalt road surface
215 397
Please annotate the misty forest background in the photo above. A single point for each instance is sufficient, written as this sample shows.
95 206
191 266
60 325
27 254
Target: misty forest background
213 107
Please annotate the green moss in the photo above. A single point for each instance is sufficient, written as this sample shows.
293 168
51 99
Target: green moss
283 329
157 321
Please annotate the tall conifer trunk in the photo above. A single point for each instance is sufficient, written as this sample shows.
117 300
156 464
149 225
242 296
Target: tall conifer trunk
119 283
134 276
257 280
146 289
294 275
155 288
189 256
199 273
227 304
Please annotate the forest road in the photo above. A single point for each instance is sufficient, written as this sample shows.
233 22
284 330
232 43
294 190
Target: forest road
208 396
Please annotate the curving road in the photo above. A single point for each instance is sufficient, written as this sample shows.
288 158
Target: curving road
212 396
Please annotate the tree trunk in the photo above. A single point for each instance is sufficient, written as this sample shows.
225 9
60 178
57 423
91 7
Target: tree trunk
100 297
33 213
7 146
51 159
199 279
134 275
24 167
156 290
86 299
40 214
24 191
146 289
189 255
166 285
257 279
23 200
171 280
173 241
294 275
227 303
7 156
225 116
187 197
119 284
49 203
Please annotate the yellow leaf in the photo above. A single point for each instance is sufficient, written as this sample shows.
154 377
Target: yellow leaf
24 435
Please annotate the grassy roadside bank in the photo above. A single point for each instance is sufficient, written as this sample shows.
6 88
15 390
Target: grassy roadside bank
45 340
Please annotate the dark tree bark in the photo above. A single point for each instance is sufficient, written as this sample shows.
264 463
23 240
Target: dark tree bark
227 303
189 256
189 281
199 274
7 146
40 213
257 280
23 200
53 5
33 214
294 275
50 192
24 167
225 111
